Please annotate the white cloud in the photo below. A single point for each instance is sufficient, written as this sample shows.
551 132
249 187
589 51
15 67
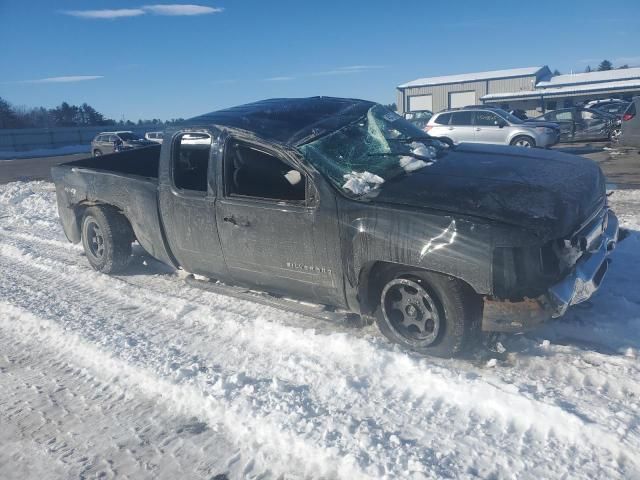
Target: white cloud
173 10
279 79
180 9
350 70
117 13
65 79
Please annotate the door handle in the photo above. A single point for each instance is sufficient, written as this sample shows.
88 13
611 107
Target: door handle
232 220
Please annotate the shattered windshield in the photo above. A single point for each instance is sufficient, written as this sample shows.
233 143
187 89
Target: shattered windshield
363 155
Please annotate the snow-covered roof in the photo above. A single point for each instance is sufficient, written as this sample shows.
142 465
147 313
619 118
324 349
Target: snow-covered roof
591 77
472 77
546 92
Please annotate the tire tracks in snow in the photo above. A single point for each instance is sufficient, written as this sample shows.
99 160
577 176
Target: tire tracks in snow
440 394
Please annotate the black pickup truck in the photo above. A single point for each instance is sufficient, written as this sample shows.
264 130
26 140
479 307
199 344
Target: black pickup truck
343 203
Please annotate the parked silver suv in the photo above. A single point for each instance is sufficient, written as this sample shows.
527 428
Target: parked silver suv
111 142
490 125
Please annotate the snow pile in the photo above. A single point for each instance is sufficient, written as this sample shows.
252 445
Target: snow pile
360 183
142 376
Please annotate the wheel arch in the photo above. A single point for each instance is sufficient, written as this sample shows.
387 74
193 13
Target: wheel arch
80 209
371 280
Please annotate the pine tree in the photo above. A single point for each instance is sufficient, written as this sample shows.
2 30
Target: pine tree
8 116
605 65
588 69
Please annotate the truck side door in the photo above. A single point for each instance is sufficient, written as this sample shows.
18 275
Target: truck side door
187 198
272 230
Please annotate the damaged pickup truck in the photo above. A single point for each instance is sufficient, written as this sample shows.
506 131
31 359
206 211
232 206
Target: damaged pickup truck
343 203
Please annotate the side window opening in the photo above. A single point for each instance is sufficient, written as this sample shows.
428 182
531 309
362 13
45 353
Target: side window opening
191 161
251 172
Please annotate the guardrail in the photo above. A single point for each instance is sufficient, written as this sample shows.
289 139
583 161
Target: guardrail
24 139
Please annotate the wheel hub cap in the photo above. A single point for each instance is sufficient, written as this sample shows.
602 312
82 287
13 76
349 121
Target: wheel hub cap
410 310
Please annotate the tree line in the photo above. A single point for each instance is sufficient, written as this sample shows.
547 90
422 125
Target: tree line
603 66
64 115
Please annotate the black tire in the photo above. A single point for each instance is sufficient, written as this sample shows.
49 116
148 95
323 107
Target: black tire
106 238
451 312
97 153
523 141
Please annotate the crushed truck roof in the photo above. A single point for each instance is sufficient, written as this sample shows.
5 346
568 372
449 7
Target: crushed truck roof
291 121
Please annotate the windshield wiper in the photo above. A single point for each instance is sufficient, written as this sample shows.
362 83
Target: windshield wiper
409 139
403 154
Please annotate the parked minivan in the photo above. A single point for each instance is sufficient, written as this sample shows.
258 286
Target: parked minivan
490 125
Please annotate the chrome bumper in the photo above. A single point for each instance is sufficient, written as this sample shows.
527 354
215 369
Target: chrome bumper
588 273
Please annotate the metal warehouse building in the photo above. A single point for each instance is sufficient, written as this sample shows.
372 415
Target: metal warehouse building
532 89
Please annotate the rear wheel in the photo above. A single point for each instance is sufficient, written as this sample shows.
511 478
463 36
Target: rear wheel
106 238
97 153
523 141
429 312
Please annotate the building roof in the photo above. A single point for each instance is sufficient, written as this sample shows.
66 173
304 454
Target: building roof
591 77
472 77
566 90
288 120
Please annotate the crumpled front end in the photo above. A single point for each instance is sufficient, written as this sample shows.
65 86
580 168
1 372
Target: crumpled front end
586 256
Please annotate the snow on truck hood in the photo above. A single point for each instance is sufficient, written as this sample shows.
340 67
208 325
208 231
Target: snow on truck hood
542 190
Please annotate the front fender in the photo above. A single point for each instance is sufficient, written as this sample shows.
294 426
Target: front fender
441 243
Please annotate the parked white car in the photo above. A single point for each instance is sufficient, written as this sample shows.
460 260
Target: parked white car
491 125
154 136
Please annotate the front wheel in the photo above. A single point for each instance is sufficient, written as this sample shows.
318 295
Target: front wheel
97 153
523 141
106 238
429 312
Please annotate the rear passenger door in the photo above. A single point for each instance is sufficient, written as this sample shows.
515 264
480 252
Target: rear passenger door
461 127
188 201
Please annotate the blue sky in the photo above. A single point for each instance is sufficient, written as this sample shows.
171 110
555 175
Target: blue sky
147 59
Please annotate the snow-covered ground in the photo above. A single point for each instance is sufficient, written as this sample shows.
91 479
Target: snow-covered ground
142 376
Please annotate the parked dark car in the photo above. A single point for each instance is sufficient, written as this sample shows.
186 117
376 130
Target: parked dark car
630 135
344 203
612 106
110 142
579 124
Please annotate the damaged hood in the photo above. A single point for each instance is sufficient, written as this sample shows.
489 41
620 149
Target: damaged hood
547 192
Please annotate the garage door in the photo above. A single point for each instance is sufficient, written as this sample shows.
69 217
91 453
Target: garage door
461 99
419 103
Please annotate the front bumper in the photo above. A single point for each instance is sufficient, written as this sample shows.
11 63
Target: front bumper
578 285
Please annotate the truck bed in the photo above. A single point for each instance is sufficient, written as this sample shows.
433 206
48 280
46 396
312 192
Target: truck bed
142 162
127 181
